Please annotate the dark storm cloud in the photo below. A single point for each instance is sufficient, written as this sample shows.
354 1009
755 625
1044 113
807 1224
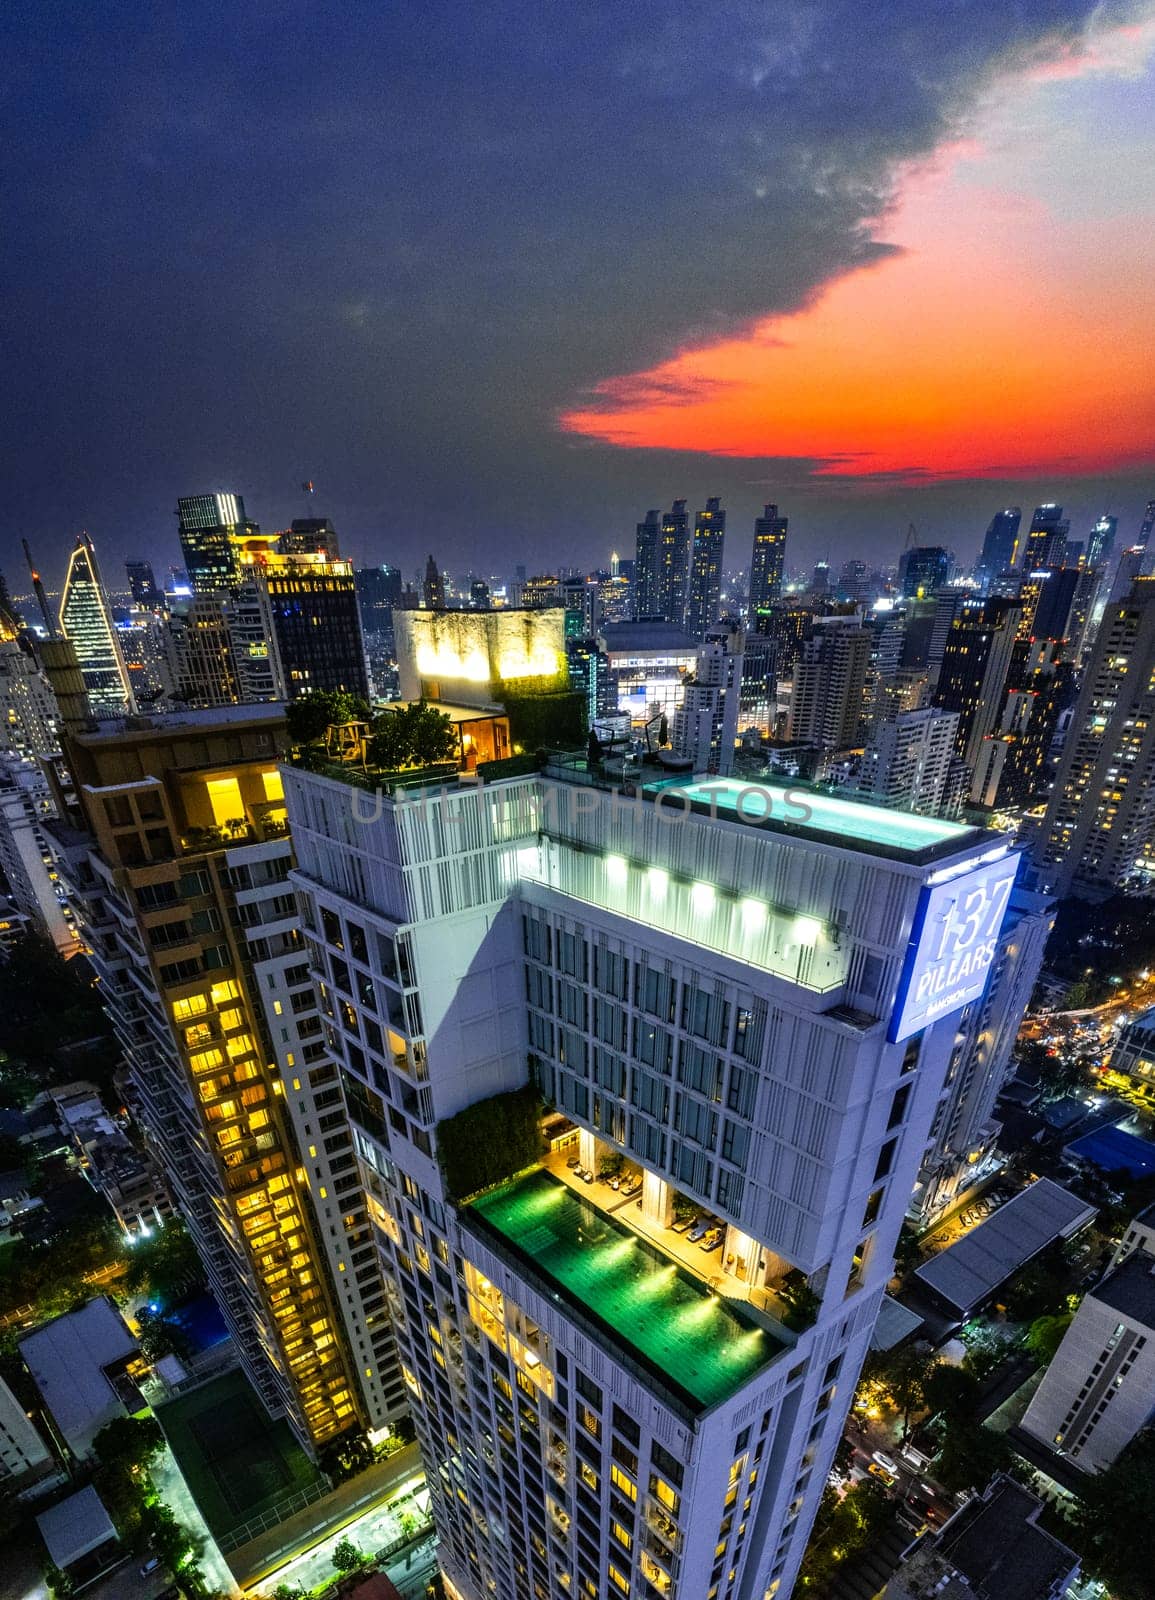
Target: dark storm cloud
380 245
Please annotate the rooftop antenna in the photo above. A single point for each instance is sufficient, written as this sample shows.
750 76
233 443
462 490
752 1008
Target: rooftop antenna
38 589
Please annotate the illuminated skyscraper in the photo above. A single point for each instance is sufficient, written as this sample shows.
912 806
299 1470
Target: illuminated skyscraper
829 681
1101 544
663 565
213 530
706 569
975 667
179 864
999 545
86 620
923 571
649 534
1046 541
768 561
1099 831
142 585
728 1013
1147 526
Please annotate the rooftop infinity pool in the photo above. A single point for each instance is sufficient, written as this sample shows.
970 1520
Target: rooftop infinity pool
699 1347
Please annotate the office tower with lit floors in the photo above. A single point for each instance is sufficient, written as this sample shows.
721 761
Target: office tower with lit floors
213 529
178 857
706 569
739 1001
86 620
768 561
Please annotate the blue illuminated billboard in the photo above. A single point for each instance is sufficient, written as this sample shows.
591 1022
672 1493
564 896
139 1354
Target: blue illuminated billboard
952 944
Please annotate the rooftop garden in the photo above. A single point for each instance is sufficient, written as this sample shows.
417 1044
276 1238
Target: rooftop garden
400 745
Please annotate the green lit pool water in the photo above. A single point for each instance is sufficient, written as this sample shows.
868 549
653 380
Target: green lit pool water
846 820
697 1344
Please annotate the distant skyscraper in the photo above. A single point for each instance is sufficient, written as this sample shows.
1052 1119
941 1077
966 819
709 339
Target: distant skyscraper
213 529
86 620
829 680
674 564
1046 541
853 580
923 570
378 591
999 544
768 560
142 585
975 665
311 624
591 676
649 535
309 536
909 763
820 578
478 594
1147 526
706 723
1101 544
706 569
1099 831
433 591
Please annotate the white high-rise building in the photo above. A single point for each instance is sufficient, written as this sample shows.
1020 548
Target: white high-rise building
1099 1389
26 855
27 706
706 723
909 763
23 1453
744 1001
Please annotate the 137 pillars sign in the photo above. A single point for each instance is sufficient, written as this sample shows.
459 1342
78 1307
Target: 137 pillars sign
952 945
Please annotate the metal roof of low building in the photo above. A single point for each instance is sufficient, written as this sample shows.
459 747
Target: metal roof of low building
67 1359
75 1527
968 1272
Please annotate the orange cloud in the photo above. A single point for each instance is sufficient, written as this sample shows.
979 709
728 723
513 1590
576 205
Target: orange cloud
1005 337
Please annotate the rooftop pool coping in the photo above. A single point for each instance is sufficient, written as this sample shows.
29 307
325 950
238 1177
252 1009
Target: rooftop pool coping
506 1245
834 819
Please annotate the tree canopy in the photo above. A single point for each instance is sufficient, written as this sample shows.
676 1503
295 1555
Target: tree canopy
1115 1506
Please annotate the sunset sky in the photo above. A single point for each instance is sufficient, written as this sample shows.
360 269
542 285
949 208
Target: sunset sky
1010 333
500 278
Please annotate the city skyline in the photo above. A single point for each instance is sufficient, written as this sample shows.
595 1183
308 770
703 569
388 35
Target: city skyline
425 359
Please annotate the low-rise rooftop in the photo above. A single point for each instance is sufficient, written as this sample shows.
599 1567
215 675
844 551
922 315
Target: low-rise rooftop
969 1272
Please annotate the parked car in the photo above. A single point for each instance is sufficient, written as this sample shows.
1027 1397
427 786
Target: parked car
885 1461
712 1240
680 1224
701 1226
880 1472
150 1566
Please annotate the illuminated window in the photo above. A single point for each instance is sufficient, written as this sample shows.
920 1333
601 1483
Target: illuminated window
626 1484
195 1005
227 989
618 1579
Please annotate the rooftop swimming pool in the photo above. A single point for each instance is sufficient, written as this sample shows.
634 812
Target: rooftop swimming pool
846 822
698 1346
